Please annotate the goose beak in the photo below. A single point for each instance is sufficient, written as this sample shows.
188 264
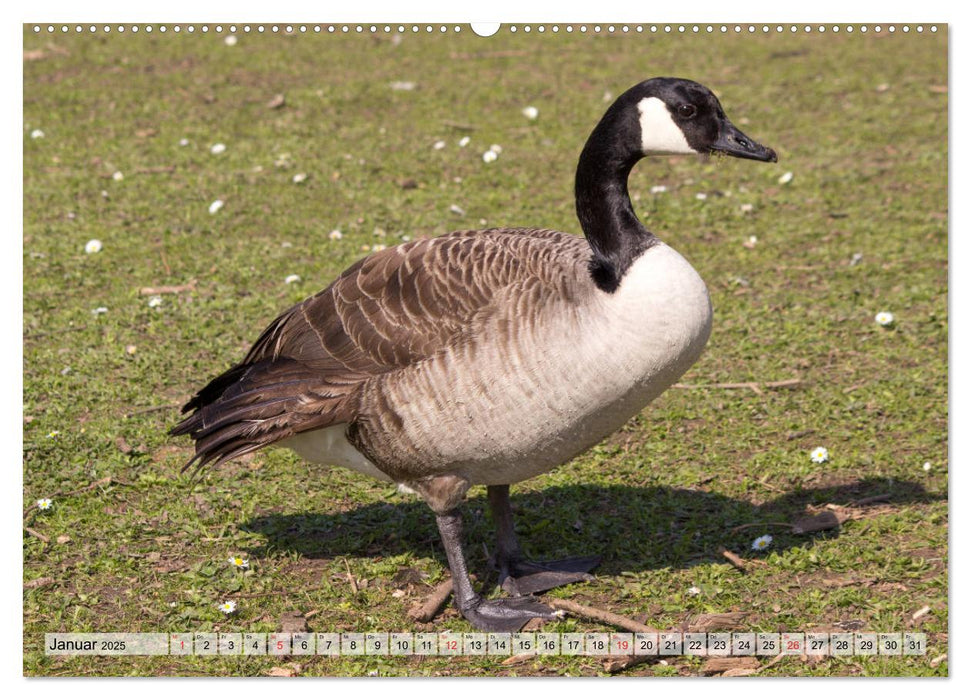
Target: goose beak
733 142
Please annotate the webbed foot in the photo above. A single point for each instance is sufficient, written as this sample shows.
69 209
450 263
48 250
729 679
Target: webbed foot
505 614
522 578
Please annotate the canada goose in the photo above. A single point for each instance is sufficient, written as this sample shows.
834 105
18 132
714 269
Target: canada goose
488 357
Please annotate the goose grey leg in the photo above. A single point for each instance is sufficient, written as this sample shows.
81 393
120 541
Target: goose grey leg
502 615
443 494
517 575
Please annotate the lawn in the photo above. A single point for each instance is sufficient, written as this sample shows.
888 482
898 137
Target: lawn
360 133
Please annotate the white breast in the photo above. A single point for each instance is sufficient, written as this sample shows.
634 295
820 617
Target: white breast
507 410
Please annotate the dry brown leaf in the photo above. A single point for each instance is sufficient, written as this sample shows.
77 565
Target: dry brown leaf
709 622
280 672
825 520
293 622
38 582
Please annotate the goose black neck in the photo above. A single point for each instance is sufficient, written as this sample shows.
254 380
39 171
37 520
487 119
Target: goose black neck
604 209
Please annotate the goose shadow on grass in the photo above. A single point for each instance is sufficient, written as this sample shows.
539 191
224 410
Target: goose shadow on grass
634 528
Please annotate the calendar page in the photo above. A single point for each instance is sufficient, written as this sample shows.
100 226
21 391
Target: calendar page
682 286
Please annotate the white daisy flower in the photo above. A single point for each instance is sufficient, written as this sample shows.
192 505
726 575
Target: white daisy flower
216 206
884 318
750 242
489 156
762 543
694 590
438 145
819 455
299 177
53 434
378 247
785 177
464 141
659 189
154 302
100 310
456 209
183 142
217 148
927 466
230 40
496 148
92 246
746 208
701 196
291 279
228 607
530 112
36 134
118 176
335 235
44 504
131 349
239 562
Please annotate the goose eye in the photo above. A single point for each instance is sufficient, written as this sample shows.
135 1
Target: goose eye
687 111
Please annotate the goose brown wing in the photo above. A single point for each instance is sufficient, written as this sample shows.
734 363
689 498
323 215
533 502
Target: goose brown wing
387 311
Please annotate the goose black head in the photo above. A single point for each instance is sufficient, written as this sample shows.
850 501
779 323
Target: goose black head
681 116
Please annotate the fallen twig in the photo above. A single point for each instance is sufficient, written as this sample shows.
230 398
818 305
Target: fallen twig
733 559
774 661
350 578
155 169
151 409
753 386
427 610
517 659
31 531
746 526
267 594
34 336
610 618
730 665
614 664
169 288
459 126
871 499
920 613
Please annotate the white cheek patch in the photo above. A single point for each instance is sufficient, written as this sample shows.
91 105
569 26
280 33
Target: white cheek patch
659 134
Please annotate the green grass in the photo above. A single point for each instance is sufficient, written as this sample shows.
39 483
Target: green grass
859 120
